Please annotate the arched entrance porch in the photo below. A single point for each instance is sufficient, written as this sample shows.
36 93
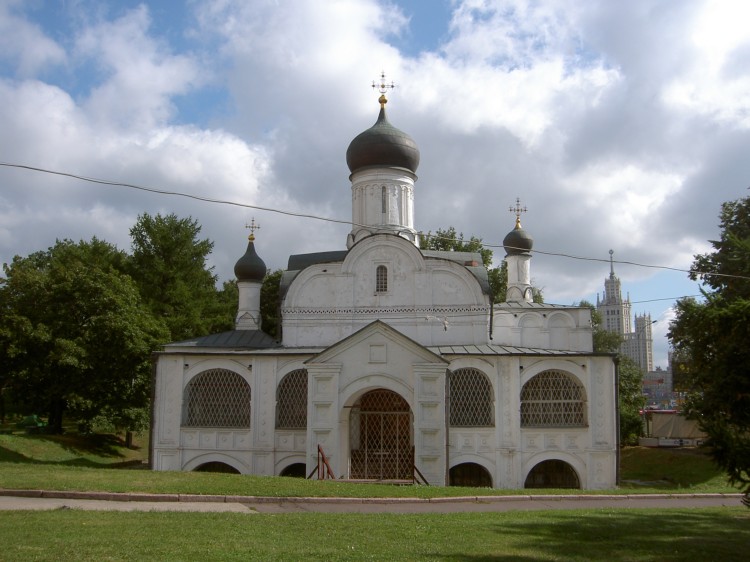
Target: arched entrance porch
381 437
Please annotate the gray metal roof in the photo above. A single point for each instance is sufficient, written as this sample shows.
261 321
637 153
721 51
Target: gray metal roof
535 305
233 339
301 261
491 349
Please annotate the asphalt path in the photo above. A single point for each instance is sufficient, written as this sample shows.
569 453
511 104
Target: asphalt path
31 500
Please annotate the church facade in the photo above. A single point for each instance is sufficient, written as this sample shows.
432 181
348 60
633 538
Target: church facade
393 362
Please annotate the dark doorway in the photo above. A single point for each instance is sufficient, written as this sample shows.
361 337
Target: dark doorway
470 474
295 470
552 474
216 466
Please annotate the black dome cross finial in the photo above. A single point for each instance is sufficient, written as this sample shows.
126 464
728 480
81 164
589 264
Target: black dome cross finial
252 227
518 210
382 87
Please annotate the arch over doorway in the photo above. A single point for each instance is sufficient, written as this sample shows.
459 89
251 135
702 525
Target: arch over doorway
470 474
381 437
552 473
295 470
216 466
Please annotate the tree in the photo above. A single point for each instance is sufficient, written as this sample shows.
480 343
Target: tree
448 240
270 303
631 400
169 264
74 334
629 381
711 338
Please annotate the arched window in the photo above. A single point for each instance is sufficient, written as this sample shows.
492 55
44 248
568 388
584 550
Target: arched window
381 279
470 399
383 200
216 398
553 399
291 401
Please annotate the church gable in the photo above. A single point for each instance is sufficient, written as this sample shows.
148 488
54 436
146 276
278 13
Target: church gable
376 345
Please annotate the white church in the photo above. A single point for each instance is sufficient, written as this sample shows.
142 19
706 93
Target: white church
393 362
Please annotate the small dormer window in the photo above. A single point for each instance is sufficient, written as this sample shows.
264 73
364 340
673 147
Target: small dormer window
381 279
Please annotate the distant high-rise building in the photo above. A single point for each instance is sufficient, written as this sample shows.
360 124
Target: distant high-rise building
616 317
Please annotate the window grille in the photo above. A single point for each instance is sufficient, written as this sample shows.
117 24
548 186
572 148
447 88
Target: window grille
381 437
553 399
217 398
381 279
291 401
470 395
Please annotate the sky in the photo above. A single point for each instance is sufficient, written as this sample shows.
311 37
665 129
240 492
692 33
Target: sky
618 125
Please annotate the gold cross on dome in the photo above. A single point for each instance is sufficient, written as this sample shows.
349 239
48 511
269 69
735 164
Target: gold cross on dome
382 87
252 227
517 210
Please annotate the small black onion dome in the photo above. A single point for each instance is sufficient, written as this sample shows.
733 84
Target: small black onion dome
250 267
383 145
518 241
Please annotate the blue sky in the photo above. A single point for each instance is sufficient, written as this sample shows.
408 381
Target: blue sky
620 125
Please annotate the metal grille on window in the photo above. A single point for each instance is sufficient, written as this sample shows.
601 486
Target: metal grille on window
380 437
470 399
553 399
381 279
291 401
217 398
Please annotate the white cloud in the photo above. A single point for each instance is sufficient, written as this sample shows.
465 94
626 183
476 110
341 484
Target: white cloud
140 77
717 84
25 43
620 125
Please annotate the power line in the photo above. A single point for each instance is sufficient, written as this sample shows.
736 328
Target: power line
338 221
668 299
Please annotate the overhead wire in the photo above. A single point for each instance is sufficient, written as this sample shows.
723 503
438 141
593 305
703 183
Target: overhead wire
346 222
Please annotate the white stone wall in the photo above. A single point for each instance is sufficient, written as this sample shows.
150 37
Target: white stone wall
380 357
382 201
510 452
434 302
565 329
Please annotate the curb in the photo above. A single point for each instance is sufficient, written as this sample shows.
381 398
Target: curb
147 497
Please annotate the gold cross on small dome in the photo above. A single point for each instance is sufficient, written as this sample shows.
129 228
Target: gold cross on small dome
517 210
382 87
252 227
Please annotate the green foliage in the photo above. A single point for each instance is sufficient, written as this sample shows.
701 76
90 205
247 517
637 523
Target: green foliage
79 321
169 264
449 240
630 385
74 334
710 339
270 303
632 401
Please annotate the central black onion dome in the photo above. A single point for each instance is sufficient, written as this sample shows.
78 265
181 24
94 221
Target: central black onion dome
250 267
518 241
383 145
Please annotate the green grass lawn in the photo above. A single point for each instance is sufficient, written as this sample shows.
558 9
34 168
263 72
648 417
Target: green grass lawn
71 462
102 463
612 534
